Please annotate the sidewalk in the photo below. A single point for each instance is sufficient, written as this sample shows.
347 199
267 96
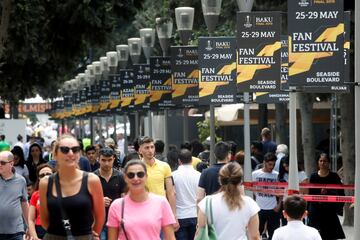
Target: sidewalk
349 232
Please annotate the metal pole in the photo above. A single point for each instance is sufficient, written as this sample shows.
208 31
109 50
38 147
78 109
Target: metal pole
333 132
114 134
137 134
150 123
186 124
166 133
212 128
247 163
212 134
125 134
92 130
81 123
293 165
357 126
107 127
101 140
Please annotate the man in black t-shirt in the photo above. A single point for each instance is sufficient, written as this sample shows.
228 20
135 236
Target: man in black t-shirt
209 179
112 181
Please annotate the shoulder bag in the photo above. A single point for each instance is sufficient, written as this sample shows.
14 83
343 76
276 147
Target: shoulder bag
208 231
64 218
122 218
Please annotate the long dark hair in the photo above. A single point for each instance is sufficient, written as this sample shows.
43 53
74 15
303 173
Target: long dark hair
30 158
20 154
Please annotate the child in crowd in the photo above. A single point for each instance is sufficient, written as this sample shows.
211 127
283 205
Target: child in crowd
294 212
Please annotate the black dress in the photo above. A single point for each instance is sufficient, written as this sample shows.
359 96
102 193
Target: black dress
324 216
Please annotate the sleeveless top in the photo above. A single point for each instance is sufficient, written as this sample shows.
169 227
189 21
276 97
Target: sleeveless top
78 208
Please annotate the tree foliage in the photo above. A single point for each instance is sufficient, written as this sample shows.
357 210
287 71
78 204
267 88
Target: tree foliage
48 39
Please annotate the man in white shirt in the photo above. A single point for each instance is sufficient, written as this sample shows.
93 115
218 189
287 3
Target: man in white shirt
121 143
294 212
186 180
269 204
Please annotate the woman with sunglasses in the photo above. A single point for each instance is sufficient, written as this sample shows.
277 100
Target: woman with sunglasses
81 196
145 214
36 231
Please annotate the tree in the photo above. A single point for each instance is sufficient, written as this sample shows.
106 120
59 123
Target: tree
43 42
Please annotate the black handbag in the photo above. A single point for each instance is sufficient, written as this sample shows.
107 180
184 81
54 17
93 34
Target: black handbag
64 218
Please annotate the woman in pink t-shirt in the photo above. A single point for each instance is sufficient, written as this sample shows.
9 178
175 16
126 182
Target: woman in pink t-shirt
35 229
145 214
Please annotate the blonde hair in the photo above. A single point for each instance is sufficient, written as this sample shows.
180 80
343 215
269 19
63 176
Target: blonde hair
230 176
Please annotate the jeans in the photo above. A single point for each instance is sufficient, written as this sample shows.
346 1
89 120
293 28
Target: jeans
272 219
187 229
16 236
104 233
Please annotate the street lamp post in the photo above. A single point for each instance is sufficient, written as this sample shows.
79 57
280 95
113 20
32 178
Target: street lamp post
82 85
123 57
211 11
246 6
184 21
135 52
112 61
147 36
164 28
91 77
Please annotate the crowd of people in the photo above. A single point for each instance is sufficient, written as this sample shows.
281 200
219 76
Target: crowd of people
96 192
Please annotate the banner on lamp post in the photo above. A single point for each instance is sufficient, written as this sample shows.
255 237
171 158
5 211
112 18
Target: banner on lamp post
185 75
127 89
142 86
316 42
160 93
259 51
115 88
217 70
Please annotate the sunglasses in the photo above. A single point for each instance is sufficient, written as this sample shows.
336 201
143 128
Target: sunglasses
3 163
131 175
66 150
44 174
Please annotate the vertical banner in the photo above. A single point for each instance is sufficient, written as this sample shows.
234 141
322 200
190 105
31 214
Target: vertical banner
88 107
258 43
142 86
127 89
104 95
185 75
217 65
284 69
160 68
67 105
316 42
95 98
82 102
283 95
74 104
61 109
115 83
